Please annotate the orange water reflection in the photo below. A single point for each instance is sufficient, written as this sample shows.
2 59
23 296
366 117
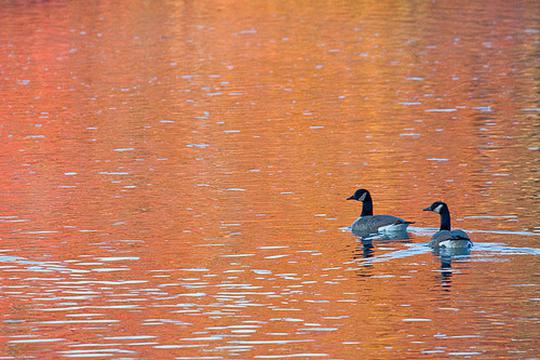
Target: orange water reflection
184 166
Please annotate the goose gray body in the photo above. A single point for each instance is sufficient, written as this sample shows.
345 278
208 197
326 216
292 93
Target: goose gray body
445 237
368 224
375 224
451 239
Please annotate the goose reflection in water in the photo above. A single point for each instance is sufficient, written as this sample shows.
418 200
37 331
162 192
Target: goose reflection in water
446 255
367 249
446 272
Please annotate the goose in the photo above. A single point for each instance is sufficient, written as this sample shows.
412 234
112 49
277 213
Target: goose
369 224
445 237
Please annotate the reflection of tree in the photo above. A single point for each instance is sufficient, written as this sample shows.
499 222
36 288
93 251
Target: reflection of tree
317 96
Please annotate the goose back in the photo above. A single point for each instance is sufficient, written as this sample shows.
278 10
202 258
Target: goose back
373 224
450 239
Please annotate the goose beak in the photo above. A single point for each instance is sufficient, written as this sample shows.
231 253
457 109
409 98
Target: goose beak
351 198
426 209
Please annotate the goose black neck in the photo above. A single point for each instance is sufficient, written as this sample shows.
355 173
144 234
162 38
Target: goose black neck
367 206
445 218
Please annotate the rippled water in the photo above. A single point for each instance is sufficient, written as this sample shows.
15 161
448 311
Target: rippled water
174 177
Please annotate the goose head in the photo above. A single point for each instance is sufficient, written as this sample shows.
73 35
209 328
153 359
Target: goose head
437 207
359 195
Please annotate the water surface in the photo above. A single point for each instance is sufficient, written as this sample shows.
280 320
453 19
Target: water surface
174 179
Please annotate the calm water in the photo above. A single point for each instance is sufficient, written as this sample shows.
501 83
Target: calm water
174 174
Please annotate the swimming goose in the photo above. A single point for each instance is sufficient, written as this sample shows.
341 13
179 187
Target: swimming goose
369 224
446 237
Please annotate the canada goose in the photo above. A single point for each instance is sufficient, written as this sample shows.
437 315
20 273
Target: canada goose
369 224
446 237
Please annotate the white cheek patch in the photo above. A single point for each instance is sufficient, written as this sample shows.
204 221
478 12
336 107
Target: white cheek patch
438 209
363 196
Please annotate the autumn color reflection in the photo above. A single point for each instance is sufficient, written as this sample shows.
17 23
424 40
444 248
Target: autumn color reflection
174 173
